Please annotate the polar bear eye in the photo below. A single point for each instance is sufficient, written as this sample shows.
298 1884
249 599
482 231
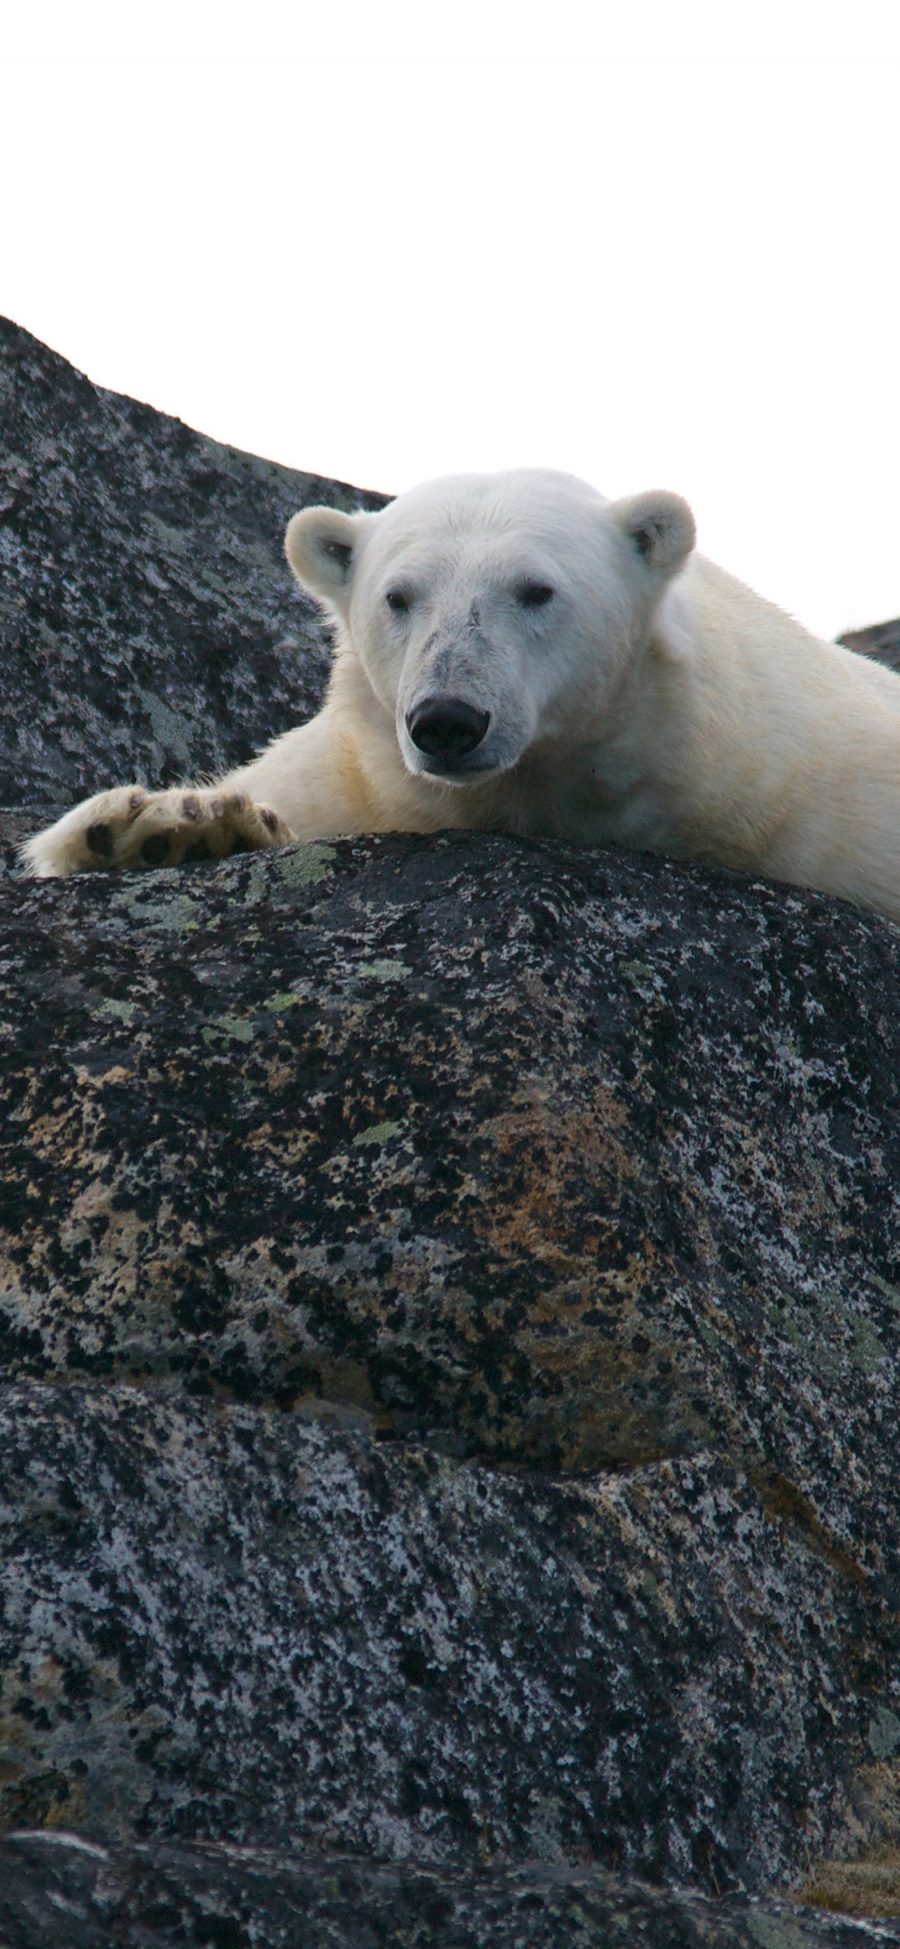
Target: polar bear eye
533 595
396 599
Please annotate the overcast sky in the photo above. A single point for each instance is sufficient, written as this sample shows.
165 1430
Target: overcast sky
656 246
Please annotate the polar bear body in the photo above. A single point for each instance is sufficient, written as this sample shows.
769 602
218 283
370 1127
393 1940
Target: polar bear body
514 652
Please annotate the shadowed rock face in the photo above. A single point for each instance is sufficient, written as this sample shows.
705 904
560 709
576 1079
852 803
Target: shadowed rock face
449 1310
149 625
149 1898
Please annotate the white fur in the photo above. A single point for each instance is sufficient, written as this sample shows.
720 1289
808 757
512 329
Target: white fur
650 699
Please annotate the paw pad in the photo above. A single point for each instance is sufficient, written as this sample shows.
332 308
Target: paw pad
100 839
155 851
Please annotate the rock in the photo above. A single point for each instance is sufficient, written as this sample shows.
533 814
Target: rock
227 1624
57 1892
882 641
527 1175
149 625
450 1318
580 1158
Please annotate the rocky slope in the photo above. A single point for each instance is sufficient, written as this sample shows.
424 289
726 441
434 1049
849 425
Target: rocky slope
450 1322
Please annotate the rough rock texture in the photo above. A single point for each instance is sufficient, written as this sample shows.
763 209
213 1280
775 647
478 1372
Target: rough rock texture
450 1323
66 1894
149 625
530 1154
226 1624
538 1144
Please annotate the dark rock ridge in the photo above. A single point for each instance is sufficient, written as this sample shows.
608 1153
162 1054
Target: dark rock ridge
89 1897
449 1307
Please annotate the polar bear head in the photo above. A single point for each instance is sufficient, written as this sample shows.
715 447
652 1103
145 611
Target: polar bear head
490 611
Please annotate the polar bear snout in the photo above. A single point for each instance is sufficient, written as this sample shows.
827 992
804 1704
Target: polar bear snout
447 728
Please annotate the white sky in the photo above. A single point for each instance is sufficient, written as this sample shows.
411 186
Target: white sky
654 244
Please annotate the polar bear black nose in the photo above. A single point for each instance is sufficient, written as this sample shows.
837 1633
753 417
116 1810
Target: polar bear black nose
446 727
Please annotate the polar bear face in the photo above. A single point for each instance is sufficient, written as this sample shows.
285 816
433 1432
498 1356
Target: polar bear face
490 611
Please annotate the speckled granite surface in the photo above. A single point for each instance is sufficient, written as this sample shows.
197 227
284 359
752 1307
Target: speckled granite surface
450 1325
149 624
579 1158
494 1146
222 1624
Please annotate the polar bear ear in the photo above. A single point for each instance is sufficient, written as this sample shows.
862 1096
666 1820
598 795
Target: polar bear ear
319 544
659 526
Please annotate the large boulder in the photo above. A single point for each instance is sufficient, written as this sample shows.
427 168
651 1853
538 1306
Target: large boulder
450 1317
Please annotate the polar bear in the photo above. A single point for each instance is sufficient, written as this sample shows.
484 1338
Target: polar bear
516 653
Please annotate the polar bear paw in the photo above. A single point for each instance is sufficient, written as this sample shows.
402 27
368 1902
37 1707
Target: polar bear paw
129 827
